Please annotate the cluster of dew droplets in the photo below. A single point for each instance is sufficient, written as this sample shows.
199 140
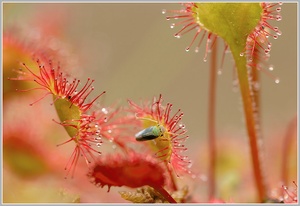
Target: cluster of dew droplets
97 128
188 24
258 46
110 131
178 146
98 135
90 133
271 14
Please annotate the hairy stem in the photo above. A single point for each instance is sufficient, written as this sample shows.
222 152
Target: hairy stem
251 124
211 122
256 92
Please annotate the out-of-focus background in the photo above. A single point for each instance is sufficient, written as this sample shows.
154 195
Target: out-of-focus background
130 51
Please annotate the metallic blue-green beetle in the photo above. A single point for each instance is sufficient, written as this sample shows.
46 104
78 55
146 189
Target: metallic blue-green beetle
150 133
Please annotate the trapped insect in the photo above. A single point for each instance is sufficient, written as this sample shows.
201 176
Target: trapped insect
150 133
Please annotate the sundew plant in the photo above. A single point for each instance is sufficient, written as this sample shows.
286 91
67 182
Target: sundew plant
190 102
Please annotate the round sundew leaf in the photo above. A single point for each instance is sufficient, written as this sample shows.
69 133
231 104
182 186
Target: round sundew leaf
231 21
68 112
